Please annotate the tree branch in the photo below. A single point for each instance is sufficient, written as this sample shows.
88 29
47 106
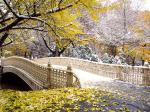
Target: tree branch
57 9
9 7
47 45
7 27
30 28
60 3
3 38
32 16
65 47
7 43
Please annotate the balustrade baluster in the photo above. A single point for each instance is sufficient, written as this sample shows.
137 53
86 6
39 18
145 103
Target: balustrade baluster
49 71
120 74
69 77
146 76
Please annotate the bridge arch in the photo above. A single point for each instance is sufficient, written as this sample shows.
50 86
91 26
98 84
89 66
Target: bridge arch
12 81
24 76
38 76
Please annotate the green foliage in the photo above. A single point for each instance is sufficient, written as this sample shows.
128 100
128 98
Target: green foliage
67 99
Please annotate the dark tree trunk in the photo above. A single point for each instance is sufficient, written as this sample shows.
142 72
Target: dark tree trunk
30 55
128 59
143 61
112 50
133 61
25 54
56 53
3 38
1 51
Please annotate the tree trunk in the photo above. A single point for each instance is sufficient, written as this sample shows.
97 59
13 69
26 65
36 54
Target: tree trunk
25 54
143 61
133 61
112 50
56 53
1 51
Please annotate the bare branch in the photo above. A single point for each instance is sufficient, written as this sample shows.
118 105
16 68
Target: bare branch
57 9
3 38
9 7
31 28
7 27
60 3
47 45
11 41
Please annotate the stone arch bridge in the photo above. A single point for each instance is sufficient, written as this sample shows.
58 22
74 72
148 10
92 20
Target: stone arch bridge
57 72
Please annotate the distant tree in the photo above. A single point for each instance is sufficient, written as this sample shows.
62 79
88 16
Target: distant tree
119 30
115 28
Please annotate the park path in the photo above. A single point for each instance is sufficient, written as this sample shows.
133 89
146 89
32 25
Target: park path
87 79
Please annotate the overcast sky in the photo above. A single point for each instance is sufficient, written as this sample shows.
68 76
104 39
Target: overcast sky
146 5
136 4
141 4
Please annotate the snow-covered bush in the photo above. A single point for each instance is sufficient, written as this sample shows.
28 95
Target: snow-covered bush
85 52
118 59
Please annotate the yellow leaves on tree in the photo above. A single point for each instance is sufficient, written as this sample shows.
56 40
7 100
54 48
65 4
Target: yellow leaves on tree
140 52
57 17
144 19
145 16
18 48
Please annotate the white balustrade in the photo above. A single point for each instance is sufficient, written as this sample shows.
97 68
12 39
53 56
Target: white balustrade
48 77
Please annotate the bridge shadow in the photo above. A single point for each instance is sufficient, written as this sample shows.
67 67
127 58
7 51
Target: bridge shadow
12 81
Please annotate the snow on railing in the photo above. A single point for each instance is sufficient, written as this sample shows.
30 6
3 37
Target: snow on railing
47 76
139 75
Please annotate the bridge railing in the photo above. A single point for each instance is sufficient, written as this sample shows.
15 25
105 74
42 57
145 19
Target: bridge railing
58 78
47 76
139 75
38 72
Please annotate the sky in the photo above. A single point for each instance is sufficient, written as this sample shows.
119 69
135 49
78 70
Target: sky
146 5
141 4
136 4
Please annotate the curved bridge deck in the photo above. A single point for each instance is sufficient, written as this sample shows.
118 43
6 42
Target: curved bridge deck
93 72
68 72
87 79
